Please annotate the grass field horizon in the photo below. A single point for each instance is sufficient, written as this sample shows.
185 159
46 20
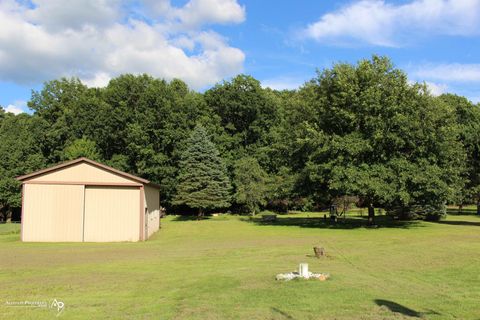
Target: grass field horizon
224 267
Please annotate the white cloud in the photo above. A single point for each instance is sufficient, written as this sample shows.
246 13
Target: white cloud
13 109
436 89
55 15
379 23
462 79
158 7
283 83
17 107
99 79
198 12
97 40
454 72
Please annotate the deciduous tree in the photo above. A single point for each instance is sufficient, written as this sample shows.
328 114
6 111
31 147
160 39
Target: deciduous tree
251 184
468 121
21 139
372 134
81 148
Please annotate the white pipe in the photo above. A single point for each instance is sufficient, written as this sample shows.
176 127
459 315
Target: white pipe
303 270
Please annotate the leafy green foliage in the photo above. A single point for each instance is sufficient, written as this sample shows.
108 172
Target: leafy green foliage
244 108
21 139
202 181
369 133
55 104
250 181
247 113
354 130
468 122
81 148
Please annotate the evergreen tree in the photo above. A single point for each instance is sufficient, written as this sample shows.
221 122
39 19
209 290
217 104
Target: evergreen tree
202 182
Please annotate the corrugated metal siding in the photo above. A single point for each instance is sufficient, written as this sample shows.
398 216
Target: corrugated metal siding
152 203
112 214
52 212
82 172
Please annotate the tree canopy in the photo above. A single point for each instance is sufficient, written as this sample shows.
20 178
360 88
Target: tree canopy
251 183
21 147
360 130
373 135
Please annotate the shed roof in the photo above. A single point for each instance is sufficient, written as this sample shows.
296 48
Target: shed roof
91 162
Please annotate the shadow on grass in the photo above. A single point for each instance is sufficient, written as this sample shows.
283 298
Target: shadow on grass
463 212
398 308
189 218
319 222
286 315
461 223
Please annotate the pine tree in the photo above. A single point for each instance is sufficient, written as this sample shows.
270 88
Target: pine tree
202 182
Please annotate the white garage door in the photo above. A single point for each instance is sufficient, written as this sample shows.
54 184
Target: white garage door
52 212
112 214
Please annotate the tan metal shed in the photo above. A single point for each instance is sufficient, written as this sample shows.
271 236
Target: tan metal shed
83 200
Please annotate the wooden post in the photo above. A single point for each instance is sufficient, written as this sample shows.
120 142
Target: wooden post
319 251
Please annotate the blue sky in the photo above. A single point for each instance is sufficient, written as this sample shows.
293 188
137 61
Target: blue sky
281 43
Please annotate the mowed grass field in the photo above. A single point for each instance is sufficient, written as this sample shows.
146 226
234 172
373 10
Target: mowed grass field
224 268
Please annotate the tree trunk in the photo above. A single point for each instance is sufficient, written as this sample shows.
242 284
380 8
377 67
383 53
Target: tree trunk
319 251
460 208
478 207
371 215
4 213
200 214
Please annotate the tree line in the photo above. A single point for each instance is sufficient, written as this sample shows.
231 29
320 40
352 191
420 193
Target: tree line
354 130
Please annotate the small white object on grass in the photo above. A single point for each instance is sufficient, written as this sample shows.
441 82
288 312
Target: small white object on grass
303 270
302 273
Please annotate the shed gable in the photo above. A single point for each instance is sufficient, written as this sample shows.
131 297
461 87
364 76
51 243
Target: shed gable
84 173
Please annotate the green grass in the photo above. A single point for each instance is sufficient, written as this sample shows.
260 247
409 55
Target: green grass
9 228
224 268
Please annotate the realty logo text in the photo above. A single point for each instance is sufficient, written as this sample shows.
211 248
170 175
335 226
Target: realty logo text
55 305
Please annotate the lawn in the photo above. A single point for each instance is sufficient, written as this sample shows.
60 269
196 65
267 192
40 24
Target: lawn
224 268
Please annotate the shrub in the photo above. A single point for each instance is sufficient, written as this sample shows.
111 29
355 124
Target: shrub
427 212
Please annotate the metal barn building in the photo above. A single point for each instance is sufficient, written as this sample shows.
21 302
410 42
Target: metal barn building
83 200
